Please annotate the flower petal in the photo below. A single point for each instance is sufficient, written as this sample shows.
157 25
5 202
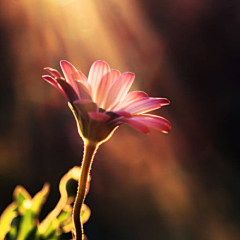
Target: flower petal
119 89
69 91
83 91
123 113
98 116
98 70
114 75
83 107
54 72
130 98
83 77
104 85
154 121
137 124
146 104
52 81
71 74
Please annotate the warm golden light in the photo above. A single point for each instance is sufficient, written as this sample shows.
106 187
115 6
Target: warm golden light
27 204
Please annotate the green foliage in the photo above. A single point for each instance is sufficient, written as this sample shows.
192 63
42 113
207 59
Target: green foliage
20 220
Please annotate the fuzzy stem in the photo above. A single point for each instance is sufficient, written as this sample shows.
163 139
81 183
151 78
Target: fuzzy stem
90 149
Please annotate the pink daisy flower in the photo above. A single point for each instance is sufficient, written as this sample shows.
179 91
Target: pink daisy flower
101 102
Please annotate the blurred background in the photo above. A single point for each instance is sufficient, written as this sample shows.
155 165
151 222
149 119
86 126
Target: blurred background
180 186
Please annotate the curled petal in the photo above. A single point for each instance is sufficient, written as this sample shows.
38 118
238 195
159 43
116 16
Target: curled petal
52 81
146 104
98 116
119 89
54 72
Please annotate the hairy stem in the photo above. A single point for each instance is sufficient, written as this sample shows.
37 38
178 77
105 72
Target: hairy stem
90 149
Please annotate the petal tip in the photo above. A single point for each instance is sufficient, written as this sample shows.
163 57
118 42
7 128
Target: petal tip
64 62
47 77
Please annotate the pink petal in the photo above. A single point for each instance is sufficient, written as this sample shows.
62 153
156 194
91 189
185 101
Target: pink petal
98 70
154 121
104 86
123 113
131 98
54 72
69 91
119 89
145 105
137 124
83 91
102 89
52 81
98 116
83 107
71 74
114 75
83 101
83 77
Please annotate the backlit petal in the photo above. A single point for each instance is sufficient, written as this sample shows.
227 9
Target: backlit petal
83 77
54 72
137 124
98 70
154 121
83 90
114 75
104 86
71 74
146 105
130 98
119 89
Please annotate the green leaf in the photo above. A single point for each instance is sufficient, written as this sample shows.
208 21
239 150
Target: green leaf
12 234
20 194
6 218
51 230
26 223
66 214
32 235
40 198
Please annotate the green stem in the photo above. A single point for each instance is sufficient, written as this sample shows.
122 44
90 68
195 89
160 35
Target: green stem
90 149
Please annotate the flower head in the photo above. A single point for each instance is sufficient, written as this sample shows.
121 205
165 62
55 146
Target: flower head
101 102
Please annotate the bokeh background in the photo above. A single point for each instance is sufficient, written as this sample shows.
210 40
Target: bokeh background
180 186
